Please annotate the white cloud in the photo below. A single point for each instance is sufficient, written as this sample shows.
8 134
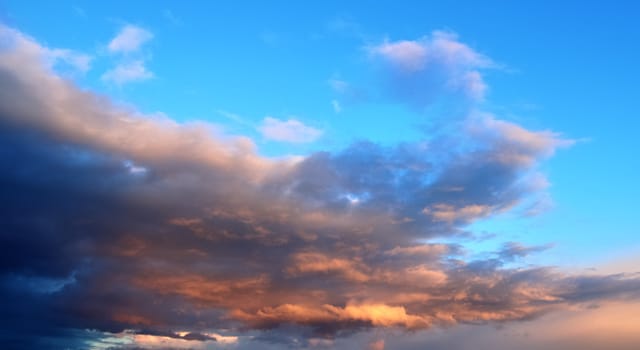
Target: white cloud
129 39
450 213
163 342
130 69
78 61
51 57
421 71
127 72
441 47
408 55
288 130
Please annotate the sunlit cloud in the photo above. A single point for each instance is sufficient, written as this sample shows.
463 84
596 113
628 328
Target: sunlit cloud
169 234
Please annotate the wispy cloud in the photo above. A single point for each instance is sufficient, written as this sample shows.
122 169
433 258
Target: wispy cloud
290 130
129 39
421 71
51 57
127 72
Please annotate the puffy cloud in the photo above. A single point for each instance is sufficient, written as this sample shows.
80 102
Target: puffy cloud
129 39
132 67
290 130
422 71
381 315
407 55
122 222
516 144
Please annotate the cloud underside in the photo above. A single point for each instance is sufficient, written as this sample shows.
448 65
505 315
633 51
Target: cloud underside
113 220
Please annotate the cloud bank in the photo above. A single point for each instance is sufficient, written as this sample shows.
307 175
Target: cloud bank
125 223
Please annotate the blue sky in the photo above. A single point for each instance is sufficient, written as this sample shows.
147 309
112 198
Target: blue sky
298 78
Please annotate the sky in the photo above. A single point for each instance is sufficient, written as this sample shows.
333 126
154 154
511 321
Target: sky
330 175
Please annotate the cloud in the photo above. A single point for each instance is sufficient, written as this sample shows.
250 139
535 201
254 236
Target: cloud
449 213
131 66
78 61
127 72
377 345
129 39
290 130
135 225
407 55
513 250
336 106
311 262
420 72
50 57
423 250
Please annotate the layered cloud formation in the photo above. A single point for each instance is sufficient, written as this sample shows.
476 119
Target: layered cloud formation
117 222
